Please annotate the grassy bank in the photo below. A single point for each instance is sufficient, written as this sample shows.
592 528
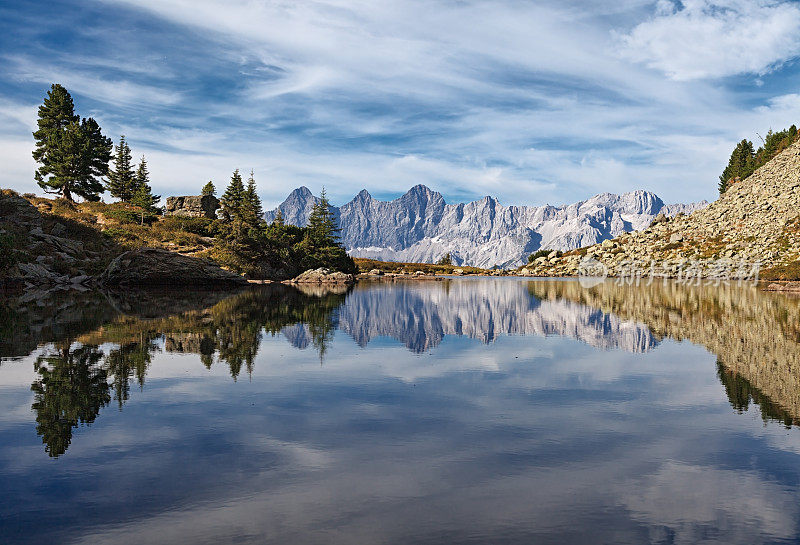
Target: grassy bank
366 265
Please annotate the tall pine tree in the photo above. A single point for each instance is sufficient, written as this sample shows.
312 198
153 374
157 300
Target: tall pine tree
322 224
73 153
143 194
233 198
251 205
209 189
122 179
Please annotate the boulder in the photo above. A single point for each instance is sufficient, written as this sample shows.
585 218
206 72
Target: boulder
660 218
376 272
322 276
195 206
458 272
157 267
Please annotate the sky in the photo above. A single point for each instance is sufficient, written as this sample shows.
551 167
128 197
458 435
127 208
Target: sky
531 102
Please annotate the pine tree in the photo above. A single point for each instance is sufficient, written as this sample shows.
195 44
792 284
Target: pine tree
232 199
251 205
122 179
73 153
279 221
96 155
740 165
209 189
322 223
143 194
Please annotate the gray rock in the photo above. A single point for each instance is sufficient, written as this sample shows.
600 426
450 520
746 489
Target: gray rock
661 217
322 276
36 271
196 206
58 230
157 267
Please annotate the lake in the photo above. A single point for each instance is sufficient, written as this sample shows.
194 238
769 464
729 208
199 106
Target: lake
468 410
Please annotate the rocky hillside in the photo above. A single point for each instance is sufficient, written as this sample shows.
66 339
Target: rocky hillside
756 221
53 242
421 227
45 248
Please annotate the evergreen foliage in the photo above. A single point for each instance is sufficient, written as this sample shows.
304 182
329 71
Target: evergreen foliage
445 260
322 226
122 178
143 194
70 389
72 152
209 189
745 159
544 252
246 244
233 198
251 204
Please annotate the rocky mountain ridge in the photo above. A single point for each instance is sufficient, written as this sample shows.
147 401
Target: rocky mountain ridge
421 227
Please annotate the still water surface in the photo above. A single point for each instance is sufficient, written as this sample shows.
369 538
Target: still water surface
472 410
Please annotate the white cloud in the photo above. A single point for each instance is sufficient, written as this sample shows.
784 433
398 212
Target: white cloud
715 38
384 95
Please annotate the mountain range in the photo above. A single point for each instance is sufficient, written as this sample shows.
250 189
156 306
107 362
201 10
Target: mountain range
421 227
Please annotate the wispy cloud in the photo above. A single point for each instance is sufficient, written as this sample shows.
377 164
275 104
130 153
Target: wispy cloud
532 102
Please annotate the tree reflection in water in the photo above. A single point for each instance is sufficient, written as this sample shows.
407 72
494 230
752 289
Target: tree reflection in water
76 380
71 389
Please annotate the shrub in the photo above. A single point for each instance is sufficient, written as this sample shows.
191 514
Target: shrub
119 233
198 226
542 253
62 207
129 215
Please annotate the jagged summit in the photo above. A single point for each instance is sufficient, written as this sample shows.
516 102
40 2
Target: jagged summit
420 226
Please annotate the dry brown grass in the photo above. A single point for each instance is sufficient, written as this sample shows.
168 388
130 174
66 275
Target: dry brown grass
121 224
786 271
366 265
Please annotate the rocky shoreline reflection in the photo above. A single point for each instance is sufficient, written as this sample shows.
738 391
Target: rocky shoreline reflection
755 335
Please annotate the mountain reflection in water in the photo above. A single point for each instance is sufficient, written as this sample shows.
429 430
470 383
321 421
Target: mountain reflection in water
90 350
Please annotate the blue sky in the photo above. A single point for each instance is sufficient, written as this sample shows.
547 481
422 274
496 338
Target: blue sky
532 102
